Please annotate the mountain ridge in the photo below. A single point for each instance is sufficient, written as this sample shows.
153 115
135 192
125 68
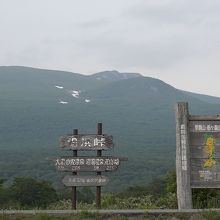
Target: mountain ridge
138 112
206 98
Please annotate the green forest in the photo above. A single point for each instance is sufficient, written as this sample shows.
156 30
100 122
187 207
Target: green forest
29 193
138 111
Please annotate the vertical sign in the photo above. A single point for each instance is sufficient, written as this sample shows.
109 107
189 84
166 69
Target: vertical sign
197 153
184 192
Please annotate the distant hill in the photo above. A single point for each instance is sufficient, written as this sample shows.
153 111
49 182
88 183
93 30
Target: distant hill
205 98
111 76
38 106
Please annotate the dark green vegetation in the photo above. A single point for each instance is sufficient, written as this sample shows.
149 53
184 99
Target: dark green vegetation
161 193
25 192
138 111
28 193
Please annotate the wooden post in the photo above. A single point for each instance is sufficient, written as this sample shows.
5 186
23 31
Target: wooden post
75 132
184 192
98 188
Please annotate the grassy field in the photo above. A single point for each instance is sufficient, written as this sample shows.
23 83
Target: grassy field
210 215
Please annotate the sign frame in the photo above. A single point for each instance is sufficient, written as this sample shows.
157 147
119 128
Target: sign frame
197 157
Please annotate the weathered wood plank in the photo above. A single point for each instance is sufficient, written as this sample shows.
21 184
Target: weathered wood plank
215 184
205 164
204 117
85 180
205 152
84 164
184 193
205 176
200 138
205 179
86 142
204 126
201 151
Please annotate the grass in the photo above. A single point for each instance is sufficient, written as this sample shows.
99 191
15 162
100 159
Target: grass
97 216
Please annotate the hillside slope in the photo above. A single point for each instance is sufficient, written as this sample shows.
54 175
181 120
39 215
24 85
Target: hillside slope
38 106
204 98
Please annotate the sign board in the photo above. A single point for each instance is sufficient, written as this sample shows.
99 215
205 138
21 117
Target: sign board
75 164
85 180
87 163
197 153
86 142
205 153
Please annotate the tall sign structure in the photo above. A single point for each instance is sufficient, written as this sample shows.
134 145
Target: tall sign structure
197 153
76 164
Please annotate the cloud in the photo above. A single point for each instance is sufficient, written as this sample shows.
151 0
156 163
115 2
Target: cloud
96 23
171 12
162 37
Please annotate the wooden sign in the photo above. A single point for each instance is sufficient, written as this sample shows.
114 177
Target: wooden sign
197 153
86 142
75 164
81 164
85 180
205 153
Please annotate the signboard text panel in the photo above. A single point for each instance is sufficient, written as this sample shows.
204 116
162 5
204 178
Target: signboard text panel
205 153
86 142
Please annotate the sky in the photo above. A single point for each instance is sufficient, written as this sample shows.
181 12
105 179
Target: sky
177 41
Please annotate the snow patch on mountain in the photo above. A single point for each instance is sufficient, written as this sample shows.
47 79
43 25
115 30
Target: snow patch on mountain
59 87
75 93
63 102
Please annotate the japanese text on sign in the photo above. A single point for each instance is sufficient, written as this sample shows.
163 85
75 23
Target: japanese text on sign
87 142
208 127
183 146
87 161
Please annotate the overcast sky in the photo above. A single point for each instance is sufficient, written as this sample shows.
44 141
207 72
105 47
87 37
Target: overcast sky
177 41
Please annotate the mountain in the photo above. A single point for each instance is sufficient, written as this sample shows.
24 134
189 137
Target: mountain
111 76
38 106
205 98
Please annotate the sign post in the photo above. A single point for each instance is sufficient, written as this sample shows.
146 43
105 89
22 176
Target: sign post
98 188
75 132
75 164
184 192
197 153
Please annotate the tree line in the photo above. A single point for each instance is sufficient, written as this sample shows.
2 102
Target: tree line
29 193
